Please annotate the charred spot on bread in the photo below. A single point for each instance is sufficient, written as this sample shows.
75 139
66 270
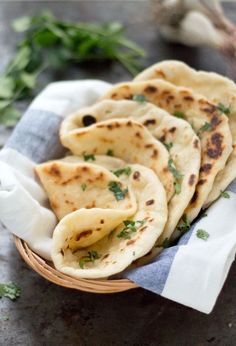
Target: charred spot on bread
191 179
88 120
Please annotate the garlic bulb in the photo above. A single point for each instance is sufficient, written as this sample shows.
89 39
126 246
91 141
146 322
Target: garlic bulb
196 23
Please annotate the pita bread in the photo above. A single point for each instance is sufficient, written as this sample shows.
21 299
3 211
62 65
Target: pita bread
71 186
212 127
116 251
215 87
184 145
128 139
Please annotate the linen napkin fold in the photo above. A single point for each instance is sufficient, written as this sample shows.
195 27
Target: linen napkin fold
191 273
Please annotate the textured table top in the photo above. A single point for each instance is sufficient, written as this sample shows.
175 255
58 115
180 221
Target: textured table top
50 315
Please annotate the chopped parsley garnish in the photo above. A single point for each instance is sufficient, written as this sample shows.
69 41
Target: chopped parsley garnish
110 152
91 257
173 170
204 235
130 227
166 243
223 109
224 194
177 175
83 187
206 127
184 225
139 98
88 157
127 171
10 290
168 145
179 114
115 187
177 187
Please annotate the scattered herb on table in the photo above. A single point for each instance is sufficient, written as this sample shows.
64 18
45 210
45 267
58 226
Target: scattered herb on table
48 43
206 127
90 258
177 175
110 152
88 157
130 227
115 187
127 171
184 224
202 234
139 98
168 145
10 290
83 187
179 114
224 194
4 318
223 109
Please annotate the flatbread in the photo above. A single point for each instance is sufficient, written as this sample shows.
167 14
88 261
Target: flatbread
113 253
215 87
216 142
71 186
129 140
185 150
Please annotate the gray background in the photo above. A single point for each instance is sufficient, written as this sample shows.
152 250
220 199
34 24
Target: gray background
50 315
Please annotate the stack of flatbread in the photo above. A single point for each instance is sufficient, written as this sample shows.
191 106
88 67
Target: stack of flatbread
143 162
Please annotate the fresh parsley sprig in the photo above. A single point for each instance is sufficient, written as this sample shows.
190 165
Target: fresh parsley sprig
50 43
10 290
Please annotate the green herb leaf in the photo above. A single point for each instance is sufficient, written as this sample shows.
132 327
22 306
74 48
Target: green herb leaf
130 228
206 127
91 257
83 187
179 114
115 187
177 175
223 109
166 243
202 234
127 171
168 145
10 290
139 98
4 318
173 170
110 152
177 187
224 194
88 157
184 224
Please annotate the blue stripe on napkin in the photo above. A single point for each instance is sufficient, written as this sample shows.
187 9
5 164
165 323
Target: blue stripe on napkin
36 136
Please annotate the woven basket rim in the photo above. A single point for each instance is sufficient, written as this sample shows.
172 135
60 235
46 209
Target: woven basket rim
46 269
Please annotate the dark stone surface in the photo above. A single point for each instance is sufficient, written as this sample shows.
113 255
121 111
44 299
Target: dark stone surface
48 315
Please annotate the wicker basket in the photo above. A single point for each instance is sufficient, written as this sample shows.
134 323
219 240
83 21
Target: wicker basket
47 270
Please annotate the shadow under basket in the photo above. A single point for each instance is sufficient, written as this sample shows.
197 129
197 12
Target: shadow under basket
46 269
